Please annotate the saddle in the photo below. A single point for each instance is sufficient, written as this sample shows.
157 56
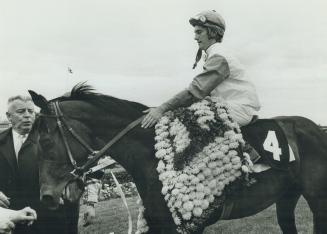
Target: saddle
269 140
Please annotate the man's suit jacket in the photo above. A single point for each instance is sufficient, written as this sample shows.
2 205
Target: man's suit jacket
19 180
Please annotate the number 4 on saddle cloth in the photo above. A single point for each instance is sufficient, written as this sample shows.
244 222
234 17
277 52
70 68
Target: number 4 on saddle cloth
269 140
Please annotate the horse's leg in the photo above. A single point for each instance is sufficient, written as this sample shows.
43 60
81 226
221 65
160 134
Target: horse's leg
318 207
285 207
314 176
72 215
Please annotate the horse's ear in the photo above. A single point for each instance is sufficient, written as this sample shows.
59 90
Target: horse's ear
39 100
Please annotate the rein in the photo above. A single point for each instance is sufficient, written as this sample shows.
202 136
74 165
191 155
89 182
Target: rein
94 155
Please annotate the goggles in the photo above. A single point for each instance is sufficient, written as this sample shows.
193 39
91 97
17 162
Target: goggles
203 21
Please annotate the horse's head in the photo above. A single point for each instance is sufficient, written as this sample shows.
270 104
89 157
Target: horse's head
61 153
71 128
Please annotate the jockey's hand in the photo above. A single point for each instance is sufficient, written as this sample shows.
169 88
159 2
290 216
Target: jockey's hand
153 116
26 215
89 215
4 200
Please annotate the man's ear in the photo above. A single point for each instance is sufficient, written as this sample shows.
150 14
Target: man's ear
8 116
39 100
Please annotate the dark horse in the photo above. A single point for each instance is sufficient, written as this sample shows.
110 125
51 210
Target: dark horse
97 118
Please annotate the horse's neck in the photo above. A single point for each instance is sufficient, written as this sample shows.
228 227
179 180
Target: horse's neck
134 151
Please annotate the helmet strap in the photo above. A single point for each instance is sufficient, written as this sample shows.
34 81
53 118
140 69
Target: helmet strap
197 58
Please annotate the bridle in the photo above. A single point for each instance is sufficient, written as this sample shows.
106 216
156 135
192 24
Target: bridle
94 155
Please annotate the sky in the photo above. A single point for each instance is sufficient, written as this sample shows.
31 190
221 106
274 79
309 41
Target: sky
144 50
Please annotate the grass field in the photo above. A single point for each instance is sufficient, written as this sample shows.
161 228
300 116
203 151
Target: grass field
112 217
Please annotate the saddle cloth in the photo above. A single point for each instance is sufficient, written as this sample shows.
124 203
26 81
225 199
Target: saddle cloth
269 140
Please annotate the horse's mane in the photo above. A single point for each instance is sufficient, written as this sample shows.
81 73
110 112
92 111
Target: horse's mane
85 92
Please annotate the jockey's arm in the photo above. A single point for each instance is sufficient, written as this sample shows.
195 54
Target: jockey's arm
215 71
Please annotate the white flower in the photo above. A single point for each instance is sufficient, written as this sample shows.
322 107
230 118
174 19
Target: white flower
186 198
161 166
205 160
226 160
202 165
212 165
197 211
175 192
200 187
232 153
195 180
164 134
199 195
237 166
211 198
227 174
219 140
232 178
212 184
216 171
228 167
223 116
219 163
192 195
161 153
197 202
207 172
184 189
204 204
183 177
178 204
169 167
164 190
188 206
237 174
235 160
245 169
195 170
177 220
200 176
161 145
187 215
179 185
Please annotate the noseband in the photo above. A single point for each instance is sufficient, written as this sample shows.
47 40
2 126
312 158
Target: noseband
94 155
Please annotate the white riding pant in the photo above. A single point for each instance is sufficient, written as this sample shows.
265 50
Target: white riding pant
241 114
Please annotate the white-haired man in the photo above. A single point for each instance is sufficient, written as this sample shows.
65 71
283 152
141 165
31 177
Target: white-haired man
19 173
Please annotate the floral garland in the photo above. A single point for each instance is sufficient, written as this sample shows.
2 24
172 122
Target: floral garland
200 153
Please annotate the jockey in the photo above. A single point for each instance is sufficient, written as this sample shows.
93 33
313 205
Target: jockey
222 76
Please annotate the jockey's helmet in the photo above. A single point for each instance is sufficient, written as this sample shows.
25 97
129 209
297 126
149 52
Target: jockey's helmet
209 19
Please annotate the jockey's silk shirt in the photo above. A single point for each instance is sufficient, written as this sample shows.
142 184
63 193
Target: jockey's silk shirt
223 76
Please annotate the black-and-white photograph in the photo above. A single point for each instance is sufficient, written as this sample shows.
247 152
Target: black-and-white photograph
163 117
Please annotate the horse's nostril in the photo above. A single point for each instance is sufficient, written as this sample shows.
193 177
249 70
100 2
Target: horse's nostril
47 199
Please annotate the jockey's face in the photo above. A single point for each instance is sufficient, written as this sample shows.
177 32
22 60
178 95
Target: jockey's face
202 38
